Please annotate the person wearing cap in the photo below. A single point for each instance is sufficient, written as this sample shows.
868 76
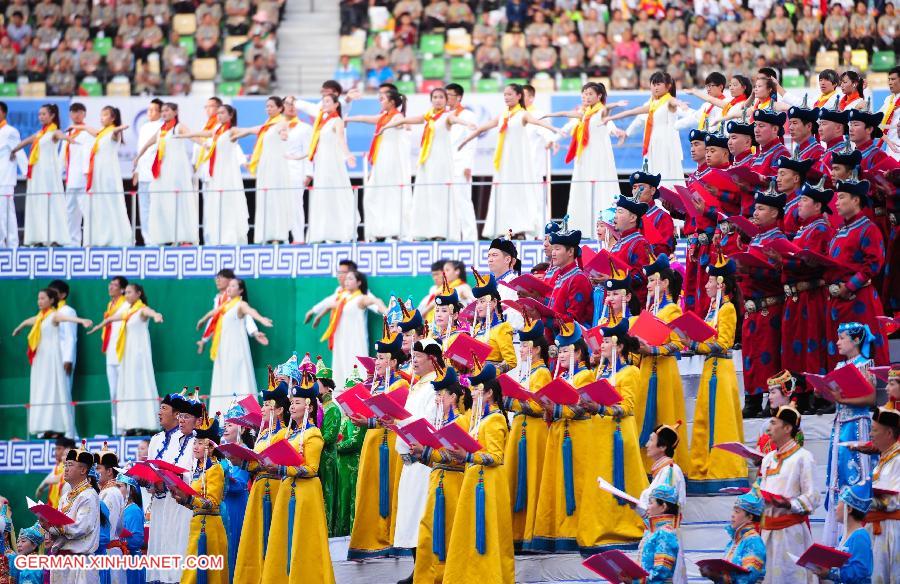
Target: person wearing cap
659 397
30 539
788 472
53 483
445 481
133 522
298 540
504 263
524 458
426 305
604 521
549 229
82 505
659 547
572 296
858 247
763 305
746 548
237 480
741 141
865 128
789 179
833 126
884 515
618 301
853 505
379 462
413 328
631 247
718 156
490 326
266 480
446 326
480 546
656 224
768 129
893 388
803 129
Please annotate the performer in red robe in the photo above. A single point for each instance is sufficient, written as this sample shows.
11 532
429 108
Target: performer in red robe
656 224
789 180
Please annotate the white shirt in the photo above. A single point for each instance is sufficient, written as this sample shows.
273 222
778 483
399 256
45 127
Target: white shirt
298 140
890 130
9 138
68 336
463 159
145 163
312 109
79 158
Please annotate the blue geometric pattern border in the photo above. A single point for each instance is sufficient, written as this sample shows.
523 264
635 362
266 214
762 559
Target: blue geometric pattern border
27 456
253 261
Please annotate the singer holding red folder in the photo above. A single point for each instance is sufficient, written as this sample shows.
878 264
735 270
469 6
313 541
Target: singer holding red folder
81 504
746 549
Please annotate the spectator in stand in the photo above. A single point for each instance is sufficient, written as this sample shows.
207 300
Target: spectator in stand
159 10
537 28
403 60
571 56
103 19
61 80
260 46
516 15
650 67
353 15
120 60
178 80
616 27
20 6
77 35
628 48
751 25
671 27
9 59
147 82
796 52
707 65
19 31
130 30
678 71
696 32
381 73
173 51
47 9
771 51
347 73
35 61
760 8
411 7
736 66
73 9
600 57
644 28
373 52
211 7
487 58
543 57
151 40
125 8
780 25
516 59
728 28
48 35
481 31
712 44
836 28
623 75
745 48
257 78
236 14
434 16
459 15
710 10
207 37
590 24
62 53
809 25
658 52
88 61
888 29
406 30
862 27
561 29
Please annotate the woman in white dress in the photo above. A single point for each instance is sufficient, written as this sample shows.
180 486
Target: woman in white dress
513 205
105 216
347 333
433 216
45 216
382 209
662 144
225 216
48 379
852 91
174 203
595 181
275 202
333 210
136 392
297 134
233 374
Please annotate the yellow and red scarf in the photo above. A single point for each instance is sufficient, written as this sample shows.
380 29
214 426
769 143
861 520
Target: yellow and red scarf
501 136
655 104
889 112
94 149
376 139
847 100
704 115
825 98
216 323
120 342
258 145
321 120
35 153
34 335
581 137
204 152
161 146
211 153
335 318
734 101
112 307
431 118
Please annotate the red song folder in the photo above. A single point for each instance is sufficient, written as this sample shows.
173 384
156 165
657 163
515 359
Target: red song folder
559 392
847 380
746 226
253 416
881 372
772 498
784 247
741 450
467 314
719 178
693 327
463 347
747 260
688 198
600 266
383 406
452 436
513 305
351 401
528 284
281 453
822 556
888 325
52 517
509 387
163 465
746 178
541 308
594 338
672 199
614 566
235 451
422 432
368 364
650 329
600 392
174 482
721 567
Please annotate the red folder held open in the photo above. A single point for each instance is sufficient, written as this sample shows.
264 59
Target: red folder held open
253 416
650 329
558 392
509 387
721 567
174 482
741 450
888 325
847 380
368 364
383 406
719 178
822 556
743 176
52 517
452 436
745 225
542 309
784 247
772 498
594 338
237 451
601 265
748 260
461 349
528 284
422 432
351 401
281 453
693 327
163 465
688 198
600 392
614 566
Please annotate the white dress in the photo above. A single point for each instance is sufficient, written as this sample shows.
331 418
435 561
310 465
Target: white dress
333 211
48 386
275 198
136 379
514 205
298 145
225 216
385 203
433 214
105 217
45 217
351 337
233 373
664 150
174 203
596 163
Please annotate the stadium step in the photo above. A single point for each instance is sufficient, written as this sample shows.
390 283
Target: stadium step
308 43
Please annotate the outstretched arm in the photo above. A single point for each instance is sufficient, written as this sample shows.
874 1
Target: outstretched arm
88 129
480 130
148 313
568 114
362 119
144 148
635 111
26 142
529 119
238 133
247 309
23 324
407 121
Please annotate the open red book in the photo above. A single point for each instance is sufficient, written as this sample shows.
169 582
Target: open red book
822 556
745 225
281 453
253 416
614 566
384 406
721 567
453 436
351 401
174 482
422 432
687 198
163 465
784 247
741 450
650 329
743 176
528 284
463 347
693 327
467 314
752 260
881 372
513 305
600 392
772 498
53 517
888 325
594 338
719 178
368 364
847 380
558 392
237 451
600 265
509 387
539 307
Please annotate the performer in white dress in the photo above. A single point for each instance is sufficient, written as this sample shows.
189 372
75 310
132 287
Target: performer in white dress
513 205
463 163
174 204
297 135
884 515
9 137
595 181
333 211
136 390
143 172
541 143
661 145
385 201
73 156
225 216
200 150
233 373
433 211
275 203
45 215
890 120
110 338
105 217
48 378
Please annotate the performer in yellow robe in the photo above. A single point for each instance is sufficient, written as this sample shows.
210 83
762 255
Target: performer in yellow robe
660 397
444 485
605 522
481 545
266 482
619 302
490 326
567 455
298 541
718 405
372 535
446 312
524 457
207 534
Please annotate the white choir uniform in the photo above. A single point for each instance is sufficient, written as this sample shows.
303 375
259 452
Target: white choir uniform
673 476
105 216
174 203
45 216
169 522
74 160
113 367
79 538
297 145
9 224
540 139
587 199
145 175
275 202
333 208
50 386
226 220
233 374
412 492
136 389
386 205
792 478
249 323
890 122
886 544
462 188
433 215
68 345
664 152
351 336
